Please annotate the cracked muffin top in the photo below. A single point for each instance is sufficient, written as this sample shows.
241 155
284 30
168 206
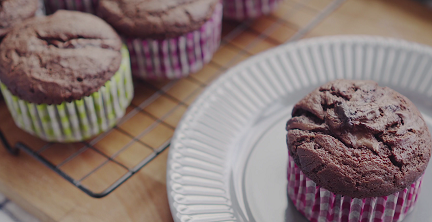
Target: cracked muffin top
62 57
358 139
156 18
13 12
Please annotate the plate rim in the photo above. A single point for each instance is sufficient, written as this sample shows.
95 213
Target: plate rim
190 115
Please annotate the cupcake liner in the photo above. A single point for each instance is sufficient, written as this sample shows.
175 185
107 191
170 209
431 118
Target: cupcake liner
176 57
248 9
80 119
88 6
319 204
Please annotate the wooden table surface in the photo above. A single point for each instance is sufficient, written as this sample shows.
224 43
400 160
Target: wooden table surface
49 197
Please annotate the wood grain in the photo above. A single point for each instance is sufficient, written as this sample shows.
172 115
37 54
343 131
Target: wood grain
403 19
143 197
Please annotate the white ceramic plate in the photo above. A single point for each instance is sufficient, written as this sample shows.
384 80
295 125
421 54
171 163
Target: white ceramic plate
228 157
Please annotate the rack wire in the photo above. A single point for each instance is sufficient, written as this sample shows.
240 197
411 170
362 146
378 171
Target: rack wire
146 130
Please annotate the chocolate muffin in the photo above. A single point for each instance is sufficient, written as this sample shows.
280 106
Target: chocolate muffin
358 140
155 18
62 60
13 12
62 57
167 39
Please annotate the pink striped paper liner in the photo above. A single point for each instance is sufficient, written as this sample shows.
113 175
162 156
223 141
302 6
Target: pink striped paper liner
319 204
248 9
176 57
88 6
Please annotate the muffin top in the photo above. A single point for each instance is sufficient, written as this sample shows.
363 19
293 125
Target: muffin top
358 139
13 12
156 18
62 57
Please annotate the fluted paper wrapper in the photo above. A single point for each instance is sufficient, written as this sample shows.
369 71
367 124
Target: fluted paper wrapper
80 119
178 57
320 205
88 6
248 9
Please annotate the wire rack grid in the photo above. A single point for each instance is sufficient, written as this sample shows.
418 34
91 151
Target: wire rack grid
100 165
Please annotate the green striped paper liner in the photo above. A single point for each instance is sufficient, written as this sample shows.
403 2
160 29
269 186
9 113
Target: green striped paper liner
80 119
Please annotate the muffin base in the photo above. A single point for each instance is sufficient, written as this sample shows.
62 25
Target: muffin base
319 204
248 9
80 119
176 57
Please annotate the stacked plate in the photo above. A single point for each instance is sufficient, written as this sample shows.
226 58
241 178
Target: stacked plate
228 158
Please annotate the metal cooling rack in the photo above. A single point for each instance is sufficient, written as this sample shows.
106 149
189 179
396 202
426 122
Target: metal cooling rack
128 147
